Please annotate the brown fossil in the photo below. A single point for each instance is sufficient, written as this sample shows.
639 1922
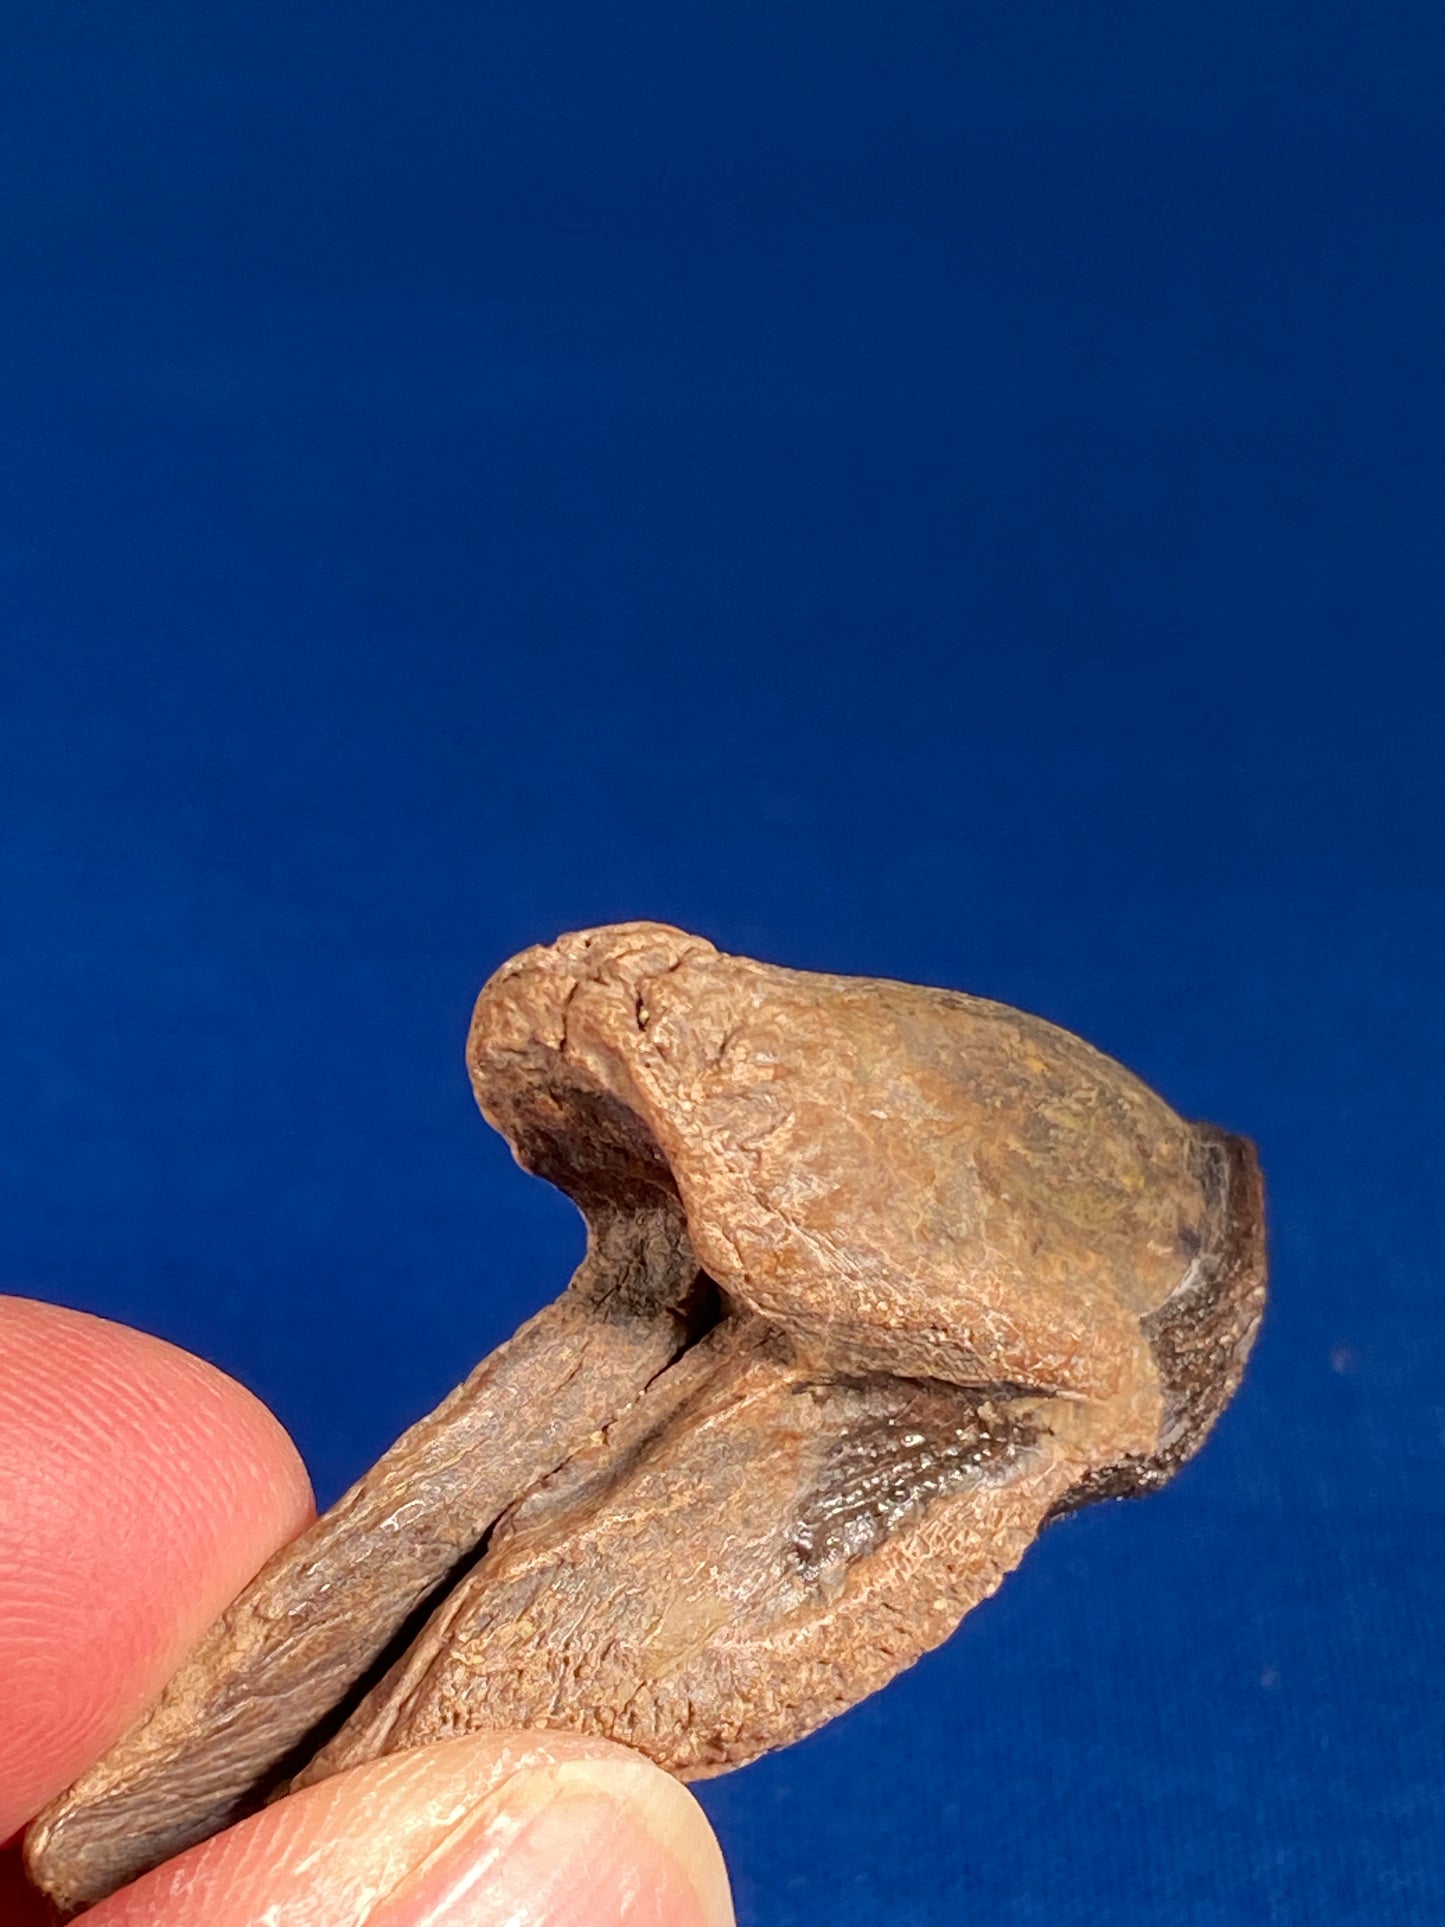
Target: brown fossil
879 1280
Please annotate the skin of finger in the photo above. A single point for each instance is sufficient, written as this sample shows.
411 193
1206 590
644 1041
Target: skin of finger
495 1830
139 1490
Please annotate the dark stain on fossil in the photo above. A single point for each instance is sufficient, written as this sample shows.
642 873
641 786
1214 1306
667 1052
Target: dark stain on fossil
887 1466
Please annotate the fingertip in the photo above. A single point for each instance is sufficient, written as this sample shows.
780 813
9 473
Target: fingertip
143 1488
575 1843
495 1830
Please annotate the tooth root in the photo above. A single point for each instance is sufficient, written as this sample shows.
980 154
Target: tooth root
325 1607
772 1546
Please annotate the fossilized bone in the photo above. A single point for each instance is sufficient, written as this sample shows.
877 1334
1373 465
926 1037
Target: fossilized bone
879 1280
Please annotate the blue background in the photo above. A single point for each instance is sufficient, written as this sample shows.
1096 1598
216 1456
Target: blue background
930 490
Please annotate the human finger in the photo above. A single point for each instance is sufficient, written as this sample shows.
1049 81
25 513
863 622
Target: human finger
495 1830
139 1490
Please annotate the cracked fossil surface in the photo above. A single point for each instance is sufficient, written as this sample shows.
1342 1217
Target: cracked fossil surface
879 1280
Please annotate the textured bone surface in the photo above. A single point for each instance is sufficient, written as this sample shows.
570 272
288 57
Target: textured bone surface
879 1280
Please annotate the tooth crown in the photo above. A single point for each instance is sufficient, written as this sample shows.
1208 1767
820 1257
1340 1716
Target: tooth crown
941 1183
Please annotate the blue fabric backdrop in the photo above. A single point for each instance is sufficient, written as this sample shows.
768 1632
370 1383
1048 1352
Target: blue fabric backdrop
937 491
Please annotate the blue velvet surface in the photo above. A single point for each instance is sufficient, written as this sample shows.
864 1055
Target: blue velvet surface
944 492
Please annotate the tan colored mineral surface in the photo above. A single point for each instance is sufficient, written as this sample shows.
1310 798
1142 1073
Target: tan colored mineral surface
879 1280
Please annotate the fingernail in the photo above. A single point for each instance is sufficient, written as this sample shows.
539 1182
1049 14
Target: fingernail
582 1843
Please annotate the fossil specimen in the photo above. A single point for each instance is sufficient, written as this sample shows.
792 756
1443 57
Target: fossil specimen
879 1280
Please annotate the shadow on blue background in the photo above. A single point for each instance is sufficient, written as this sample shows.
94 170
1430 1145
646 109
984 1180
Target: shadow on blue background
946 493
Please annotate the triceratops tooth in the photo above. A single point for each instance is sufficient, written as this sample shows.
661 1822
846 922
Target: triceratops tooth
879 1279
